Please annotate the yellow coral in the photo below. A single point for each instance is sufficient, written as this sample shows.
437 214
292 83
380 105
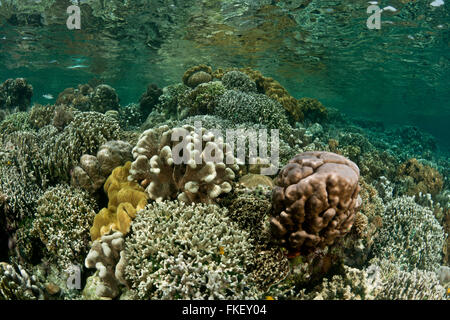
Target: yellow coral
126 198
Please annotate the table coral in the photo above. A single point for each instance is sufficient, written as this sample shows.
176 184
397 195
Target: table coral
126 198
188 181
315 201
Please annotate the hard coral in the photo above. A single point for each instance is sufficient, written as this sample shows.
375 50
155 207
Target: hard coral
197 178
92 172
315 201
149 99
196 75
181 251
126 198
420 178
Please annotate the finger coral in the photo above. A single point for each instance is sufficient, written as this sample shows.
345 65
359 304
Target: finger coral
126 198
104 256
200 176
315 201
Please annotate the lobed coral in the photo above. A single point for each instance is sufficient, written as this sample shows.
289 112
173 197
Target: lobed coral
104 256
93 171
17 284
315 201
126 198
199 175
197 75
181 251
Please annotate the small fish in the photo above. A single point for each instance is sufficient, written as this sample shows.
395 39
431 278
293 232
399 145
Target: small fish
53 61
48 96
77 66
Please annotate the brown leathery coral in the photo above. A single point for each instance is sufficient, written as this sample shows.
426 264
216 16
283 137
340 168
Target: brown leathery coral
315 201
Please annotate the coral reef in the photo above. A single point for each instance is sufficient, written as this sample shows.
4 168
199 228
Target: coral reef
315 201
15 95
238 81
189 252
126 198
200 176
202 100
410 236
86 98
94 170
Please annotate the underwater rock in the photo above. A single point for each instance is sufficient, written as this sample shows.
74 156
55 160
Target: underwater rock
315 201
15 94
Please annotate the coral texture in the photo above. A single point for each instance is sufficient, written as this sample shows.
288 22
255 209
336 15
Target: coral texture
197 75
17 284
315 201
92 172
104 256
410 236
196 179
126 198
180 251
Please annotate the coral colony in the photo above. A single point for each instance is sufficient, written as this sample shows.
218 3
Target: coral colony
221 186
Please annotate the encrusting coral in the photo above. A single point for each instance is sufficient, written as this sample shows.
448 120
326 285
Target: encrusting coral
93 171
126 198
315 201
200 176
188 252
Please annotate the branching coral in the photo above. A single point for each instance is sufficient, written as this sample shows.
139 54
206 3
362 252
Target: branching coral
94 170
199 175
126 198
180 251
419 178
66 243
315 201
104 256
410 236
17 284
238 81
202 100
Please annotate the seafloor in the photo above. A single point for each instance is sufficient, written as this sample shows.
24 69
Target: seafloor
95 205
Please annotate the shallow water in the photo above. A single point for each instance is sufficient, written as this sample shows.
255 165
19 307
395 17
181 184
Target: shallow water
321 49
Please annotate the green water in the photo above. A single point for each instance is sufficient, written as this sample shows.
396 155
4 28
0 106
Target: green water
322 49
